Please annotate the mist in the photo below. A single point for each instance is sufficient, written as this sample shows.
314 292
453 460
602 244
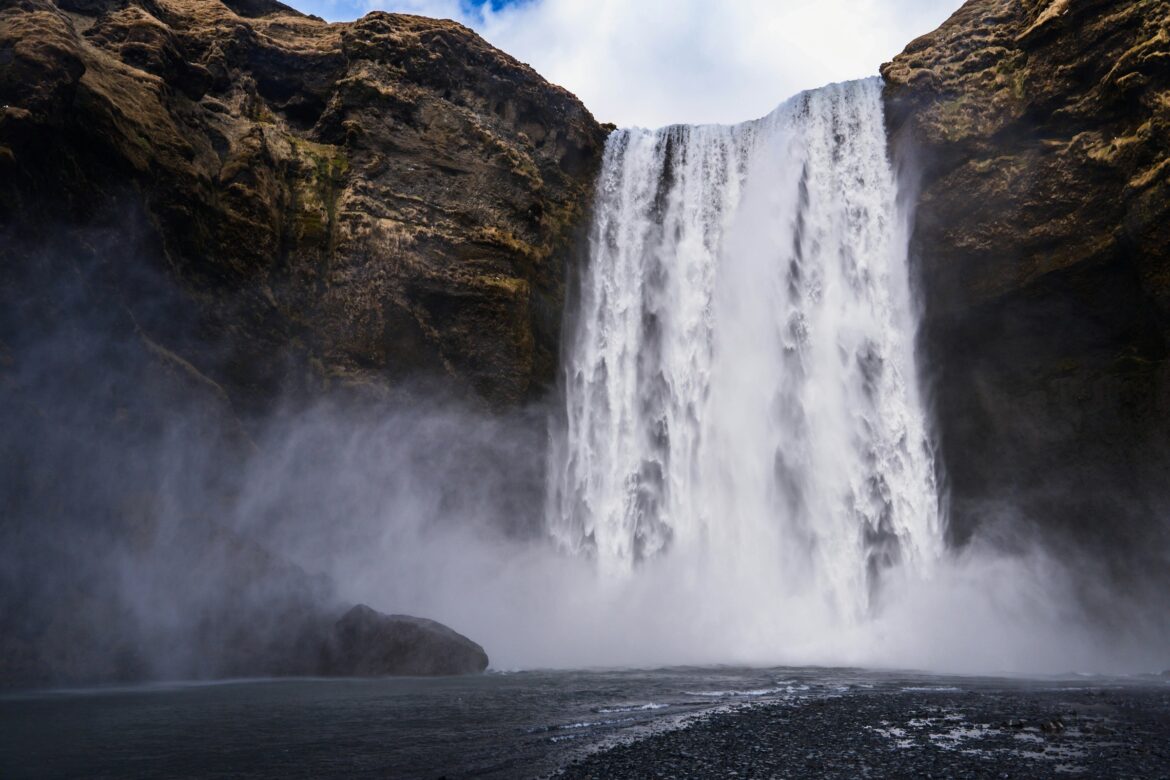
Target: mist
153 530
435 510
182 563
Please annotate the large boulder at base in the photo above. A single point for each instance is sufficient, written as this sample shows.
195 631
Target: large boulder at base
366 643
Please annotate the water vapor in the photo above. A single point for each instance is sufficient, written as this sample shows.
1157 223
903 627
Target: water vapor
739 467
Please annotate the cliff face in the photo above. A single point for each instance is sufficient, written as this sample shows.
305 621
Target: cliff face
1041 131
356 201
207 208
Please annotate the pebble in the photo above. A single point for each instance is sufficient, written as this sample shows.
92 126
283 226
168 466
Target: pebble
984 734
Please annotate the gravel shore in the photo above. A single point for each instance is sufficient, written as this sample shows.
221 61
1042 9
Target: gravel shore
1003 733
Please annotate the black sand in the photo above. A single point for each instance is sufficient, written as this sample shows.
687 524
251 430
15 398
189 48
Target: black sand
1005 733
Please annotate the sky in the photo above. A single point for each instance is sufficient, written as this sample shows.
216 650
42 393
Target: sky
658 62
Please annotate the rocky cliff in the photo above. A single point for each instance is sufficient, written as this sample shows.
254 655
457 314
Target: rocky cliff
210 211
1040 133
323 203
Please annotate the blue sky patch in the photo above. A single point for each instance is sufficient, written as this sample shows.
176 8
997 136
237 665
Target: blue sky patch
347 10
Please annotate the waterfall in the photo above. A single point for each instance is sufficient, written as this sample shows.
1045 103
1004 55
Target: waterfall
739 376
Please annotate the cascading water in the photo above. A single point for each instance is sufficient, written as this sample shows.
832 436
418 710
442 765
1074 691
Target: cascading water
740 380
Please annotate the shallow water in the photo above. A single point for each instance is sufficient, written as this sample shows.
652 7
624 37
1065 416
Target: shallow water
522 724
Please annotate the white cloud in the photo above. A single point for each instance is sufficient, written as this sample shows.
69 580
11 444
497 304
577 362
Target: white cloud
439 9
655 62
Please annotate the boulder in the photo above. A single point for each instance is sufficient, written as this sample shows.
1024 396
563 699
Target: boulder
367 643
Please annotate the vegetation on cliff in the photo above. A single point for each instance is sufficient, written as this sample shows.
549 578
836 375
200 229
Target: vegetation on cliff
1041 134
357 201
212 213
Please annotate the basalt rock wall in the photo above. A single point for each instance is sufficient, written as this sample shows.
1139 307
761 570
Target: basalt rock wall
214 215
324 204
1038 133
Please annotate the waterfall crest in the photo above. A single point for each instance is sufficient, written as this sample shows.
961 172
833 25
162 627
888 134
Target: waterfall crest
739 380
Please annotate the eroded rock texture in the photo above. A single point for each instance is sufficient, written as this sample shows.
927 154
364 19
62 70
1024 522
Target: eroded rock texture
366 643
211 210
1041 129
354 201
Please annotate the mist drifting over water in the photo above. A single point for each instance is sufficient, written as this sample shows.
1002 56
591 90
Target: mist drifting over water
738 467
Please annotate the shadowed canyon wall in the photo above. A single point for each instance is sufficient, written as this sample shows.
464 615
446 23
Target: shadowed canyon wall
212 216
1040 133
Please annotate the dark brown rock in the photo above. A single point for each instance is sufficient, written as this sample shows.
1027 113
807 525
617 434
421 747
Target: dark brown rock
366 643
1041 129
206 207
335 202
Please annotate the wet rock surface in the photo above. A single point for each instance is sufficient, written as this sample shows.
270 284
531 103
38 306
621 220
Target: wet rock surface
366 643
1041 251
1002 733
213 214
332 203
